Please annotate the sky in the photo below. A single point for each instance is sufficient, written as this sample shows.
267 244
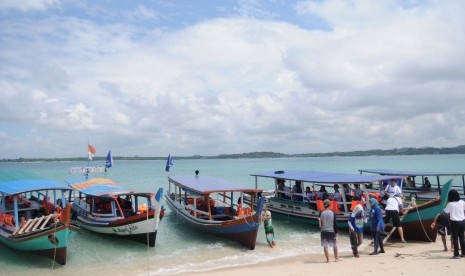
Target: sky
209 77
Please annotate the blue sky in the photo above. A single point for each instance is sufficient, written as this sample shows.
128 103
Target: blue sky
149 78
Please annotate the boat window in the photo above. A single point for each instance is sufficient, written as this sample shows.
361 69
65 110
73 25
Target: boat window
103 206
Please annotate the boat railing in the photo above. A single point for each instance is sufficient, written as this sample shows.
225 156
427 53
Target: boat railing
196 212
33 224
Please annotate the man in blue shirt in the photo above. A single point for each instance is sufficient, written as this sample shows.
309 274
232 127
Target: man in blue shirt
356 220
377 226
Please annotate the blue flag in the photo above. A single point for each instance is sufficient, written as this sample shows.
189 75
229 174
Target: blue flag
169 163
109 162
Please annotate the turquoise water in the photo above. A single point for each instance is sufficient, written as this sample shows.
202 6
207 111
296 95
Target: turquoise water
179 249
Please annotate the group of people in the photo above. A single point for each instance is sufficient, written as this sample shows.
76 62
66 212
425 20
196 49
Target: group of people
450 222
392 195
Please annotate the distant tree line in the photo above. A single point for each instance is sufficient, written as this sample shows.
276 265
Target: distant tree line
269 154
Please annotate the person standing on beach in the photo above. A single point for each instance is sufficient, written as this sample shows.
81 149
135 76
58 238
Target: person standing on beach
393 210
356 220
377 226
269 231
443 222
327 221
455 208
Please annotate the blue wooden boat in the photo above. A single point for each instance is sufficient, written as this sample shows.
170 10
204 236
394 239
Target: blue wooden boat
216 207
307 206
103 206
34 215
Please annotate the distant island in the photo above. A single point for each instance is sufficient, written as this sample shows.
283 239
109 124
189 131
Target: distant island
269 154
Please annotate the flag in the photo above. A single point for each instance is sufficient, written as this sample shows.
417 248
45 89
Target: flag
169 163
91 151
109 162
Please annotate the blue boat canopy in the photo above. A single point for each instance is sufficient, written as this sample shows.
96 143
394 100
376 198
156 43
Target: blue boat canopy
410 173
16 182
208 185
324 177
97 187
22 186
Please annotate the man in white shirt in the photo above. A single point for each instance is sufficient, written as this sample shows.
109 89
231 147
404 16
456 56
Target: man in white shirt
456 208
393 209
393 189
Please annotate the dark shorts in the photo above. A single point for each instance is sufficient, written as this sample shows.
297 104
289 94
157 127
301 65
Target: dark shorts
328 239
395 217
444 230
269 230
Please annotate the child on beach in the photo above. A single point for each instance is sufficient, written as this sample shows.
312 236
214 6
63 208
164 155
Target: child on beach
269 231
327 221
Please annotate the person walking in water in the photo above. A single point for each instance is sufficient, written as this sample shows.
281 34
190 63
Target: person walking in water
269 231
356 220
327 223
377 226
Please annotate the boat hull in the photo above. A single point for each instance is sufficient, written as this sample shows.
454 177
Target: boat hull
242 230
52 242
303 212
139 228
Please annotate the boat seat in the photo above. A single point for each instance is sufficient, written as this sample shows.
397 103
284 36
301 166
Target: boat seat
33 224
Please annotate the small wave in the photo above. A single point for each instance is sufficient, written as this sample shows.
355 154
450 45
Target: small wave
261 254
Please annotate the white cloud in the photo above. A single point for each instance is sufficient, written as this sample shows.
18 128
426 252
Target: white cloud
385 76
28 5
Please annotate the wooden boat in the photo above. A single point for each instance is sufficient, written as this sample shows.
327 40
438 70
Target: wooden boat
412 187
100 205
209 205
296 205
34 216
307 206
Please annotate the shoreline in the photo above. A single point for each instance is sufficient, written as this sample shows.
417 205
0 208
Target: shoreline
411 258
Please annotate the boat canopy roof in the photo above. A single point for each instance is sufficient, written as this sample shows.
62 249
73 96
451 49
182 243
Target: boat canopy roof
324 177
410 173
97 187
208 185
16 182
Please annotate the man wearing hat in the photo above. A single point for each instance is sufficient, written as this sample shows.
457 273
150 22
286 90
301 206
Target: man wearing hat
327 222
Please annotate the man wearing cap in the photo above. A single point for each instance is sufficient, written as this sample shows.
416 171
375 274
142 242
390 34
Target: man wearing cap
327 222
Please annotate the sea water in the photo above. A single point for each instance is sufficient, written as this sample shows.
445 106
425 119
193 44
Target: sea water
179 249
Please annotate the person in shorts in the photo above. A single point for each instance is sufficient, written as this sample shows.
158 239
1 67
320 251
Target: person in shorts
327 221
393 210
269 230
443 223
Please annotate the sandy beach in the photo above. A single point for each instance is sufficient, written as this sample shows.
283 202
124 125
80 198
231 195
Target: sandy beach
412 258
